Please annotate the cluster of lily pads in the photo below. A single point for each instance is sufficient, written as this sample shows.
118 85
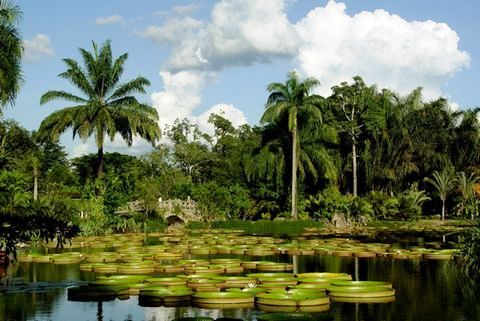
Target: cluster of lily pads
125 253
159 268
276 291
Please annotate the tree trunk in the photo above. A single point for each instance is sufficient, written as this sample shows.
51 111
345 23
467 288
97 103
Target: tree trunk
100 162
443 210
294 173
354 168
35 183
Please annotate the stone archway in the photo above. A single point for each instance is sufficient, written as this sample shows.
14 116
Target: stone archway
175 220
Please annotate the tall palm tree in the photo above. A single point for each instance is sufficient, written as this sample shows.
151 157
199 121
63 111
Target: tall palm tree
444 182
11 52
294 102
106 107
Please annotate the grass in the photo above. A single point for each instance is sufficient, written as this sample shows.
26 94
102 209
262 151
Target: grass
426 223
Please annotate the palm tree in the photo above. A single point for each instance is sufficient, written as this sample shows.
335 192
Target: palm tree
294 102
107 106
444 182
11 52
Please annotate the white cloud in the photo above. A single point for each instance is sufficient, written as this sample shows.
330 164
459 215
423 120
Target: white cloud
109 20
38 48
173 30
81 149
139 146
241 32
181 95
381 47
235 115
453 106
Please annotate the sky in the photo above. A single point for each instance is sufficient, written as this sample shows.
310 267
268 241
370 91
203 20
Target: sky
219 56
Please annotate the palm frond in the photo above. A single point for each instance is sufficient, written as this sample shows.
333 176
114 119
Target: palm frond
60 95
134 86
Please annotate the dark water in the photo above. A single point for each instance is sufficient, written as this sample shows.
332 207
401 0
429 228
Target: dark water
426 291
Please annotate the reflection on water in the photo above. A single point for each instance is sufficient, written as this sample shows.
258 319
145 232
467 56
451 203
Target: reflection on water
425 290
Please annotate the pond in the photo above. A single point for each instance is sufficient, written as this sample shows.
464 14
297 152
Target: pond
425 290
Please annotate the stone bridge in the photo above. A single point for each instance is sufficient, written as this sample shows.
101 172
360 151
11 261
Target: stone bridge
174 212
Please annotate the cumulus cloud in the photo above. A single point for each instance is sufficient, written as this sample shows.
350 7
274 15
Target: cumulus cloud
381 47
240 32
327 43
228 111
173 30
38 48
101 21
182 95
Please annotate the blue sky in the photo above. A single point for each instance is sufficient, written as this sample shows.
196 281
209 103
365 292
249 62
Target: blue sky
219 56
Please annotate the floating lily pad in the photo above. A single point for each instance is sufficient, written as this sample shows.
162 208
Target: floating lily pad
223 297
360 291
292 299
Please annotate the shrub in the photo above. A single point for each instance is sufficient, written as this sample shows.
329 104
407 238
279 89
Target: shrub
361 209
410 204
384 206
469 256
216 201
328 203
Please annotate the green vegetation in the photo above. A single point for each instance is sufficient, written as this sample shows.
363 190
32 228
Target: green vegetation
260 227
360 155
11 52
469 254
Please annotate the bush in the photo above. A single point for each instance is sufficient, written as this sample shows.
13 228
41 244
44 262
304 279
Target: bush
216 201
328 203
384 207
410 204
361 209
94 221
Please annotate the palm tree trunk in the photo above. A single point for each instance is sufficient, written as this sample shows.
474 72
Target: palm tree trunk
100 162
443 210
35 183
294 173
354 167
